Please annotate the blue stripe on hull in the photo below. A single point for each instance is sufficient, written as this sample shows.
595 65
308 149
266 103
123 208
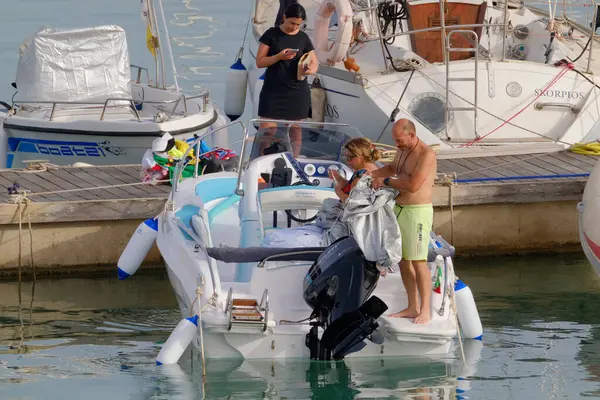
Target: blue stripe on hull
64 148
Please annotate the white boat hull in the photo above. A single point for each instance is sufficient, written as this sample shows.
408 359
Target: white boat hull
589 219
188 267
249 277
107 142
289 341
518 101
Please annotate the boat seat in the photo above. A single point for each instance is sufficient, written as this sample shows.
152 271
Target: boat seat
209 190
291 198
257 254
215 188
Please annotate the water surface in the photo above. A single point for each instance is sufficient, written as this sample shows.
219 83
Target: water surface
99 337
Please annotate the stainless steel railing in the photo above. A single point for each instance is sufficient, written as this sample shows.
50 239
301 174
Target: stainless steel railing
205 95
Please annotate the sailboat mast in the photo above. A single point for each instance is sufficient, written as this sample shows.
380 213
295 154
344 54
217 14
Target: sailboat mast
168 40
162 56
443 31
504 29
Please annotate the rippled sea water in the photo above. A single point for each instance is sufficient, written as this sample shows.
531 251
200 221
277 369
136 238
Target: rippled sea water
97 338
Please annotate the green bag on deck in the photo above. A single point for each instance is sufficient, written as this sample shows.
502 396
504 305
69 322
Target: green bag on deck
188 170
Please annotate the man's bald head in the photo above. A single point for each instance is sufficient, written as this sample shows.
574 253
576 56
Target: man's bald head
407 125
404 132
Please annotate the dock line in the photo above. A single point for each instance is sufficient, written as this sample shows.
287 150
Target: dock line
511 178
95 188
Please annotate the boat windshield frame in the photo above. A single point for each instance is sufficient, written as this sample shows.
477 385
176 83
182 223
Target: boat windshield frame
281 136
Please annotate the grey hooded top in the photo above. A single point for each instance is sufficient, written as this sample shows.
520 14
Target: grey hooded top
368 215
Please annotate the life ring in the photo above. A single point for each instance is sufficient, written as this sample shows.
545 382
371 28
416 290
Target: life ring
337 52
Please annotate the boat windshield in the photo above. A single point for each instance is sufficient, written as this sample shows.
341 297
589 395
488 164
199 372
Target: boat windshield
323 141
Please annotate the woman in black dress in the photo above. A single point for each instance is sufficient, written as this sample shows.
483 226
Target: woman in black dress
283 96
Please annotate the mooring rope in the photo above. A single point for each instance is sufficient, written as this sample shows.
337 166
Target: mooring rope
21 199
94 188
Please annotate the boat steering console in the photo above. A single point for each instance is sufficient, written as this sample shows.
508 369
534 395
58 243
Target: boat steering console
307 172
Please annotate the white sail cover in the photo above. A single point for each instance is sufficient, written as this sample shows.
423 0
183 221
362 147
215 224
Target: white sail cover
87 65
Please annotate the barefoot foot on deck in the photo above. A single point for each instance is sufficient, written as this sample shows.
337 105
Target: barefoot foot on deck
422 318
406 313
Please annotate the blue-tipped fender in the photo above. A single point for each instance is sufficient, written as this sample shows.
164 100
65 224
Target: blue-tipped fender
468 316
235 90
180 339
138 247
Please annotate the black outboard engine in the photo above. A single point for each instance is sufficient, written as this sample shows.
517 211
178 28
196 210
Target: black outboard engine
336 287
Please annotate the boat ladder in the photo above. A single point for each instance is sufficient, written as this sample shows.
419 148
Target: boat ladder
247 311
448 50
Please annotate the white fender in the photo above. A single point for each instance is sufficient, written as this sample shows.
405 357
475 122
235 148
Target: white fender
335 54
235 90
138 247
179 340
468 316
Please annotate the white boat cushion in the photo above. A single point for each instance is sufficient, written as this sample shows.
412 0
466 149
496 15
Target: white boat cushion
300 236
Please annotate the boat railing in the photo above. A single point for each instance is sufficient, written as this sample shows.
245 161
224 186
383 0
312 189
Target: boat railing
205 95
432 29
139 73
443 28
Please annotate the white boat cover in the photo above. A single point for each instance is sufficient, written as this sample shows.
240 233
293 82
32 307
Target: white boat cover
87 65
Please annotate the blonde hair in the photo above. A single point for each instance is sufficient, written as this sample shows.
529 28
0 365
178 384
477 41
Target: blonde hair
363 148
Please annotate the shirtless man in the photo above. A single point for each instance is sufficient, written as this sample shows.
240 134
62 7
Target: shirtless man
412 173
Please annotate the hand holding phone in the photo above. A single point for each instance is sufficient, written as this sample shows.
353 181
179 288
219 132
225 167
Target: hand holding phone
288 54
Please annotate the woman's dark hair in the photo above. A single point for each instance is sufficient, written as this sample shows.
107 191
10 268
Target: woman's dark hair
295 11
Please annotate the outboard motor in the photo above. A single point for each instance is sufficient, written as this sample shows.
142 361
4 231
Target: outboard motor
336 287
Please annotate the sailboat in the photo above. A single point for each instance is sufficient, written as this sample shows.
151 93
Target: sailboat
75 100
469 73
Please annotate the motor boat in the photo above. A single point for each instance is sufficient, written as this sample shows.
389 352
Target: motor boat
75 100
243 294
589 219
469 73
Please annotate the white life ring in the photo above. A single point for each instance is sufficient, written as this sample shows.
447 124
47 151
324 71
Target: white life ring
335 54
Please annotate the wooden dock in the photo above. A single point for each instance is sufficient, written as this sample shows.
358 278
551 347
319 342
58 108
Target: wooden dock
497 204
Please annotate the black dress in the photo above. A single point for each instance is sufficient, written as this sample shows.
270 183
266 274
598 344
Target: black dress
283 96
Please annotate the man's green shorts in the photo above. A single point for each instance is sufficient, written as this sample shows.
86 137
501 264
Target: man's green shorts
416 222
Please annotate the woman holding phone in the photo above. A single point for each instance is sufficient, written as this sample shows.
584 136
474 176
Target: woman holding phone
361 155
283 96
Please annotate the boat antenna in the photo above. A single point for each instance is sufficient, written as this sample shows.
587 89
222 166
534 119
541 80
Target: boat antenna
240 52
